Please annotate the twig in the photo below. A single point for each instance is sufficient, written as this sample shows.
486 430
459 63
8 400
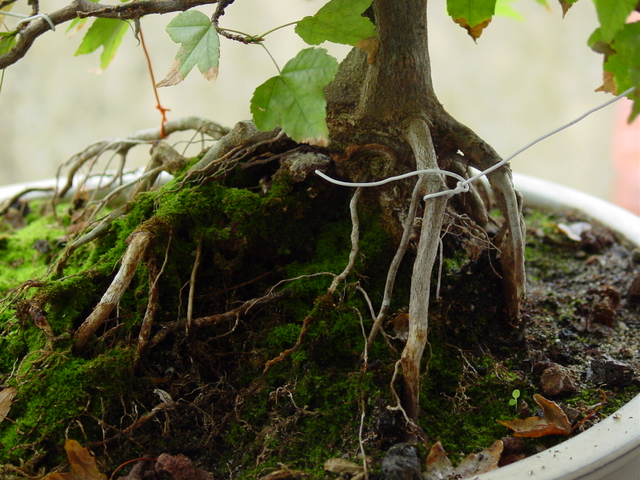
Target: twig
163 110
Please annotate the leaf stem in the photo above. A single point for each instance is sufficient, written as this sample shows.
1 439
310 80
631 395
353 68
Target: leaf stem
163 110
271 56
260 37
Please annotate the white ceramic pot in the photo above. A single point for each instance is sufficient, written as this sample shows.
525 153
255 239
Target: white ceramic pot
609 450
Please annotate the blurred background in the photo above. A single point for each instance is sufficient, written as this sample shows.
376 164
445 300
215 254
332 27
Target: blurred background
522 79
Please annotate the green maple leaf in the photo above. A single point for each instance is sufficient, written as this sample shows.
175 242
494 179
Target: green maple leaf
7 41
612 15
294 100
106 33
339 21
624 64
200 45
473 11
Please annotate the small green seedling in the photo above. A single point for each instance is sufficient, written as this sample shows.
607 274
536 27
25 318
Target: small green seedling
514 401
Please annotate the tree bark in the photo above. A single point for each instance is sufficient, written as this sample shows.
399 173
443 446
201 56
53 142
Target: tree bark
398 84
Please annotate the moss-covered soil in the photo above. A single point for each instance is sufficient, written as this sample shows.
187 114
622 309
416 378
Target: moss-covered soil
285 381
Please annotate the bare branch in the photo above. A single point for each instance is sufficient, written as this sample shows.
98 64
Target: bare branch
86 8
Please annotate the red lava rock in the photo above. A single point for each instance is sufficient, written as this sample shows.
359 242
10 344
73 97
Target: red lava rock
605 306
596 240
556 380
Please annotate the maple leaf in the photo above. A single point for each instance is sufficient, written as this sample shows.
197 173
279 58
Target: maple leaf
200 45
553 421
6 397
83 464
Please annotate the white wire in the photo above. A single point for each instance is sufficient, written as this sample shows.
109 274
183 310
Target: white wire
463 184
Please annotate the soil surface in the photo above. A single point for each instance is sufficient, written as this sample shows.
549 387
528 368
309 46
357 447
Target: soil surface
274 375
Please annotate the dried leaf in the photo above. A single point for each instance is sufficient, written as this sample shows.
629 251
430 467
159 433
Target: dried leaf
565 6
340 466
574 230
609 83
438 464
474 31
478 463
6 397
553 422
83 464
370 45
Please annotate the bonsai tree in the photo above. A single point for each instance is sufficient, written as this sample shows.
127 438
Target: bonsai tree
372 121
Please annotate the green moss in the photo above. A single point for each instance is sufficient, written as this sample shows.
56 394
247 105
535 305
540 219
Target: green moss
284 382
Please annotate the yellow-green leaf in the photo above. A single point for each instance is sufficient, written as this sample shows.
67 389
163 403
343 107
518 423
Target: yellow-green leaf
200 45
106 33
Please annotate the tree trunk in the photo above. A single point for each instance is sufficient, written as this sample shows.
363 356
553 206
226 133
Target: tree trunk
398 84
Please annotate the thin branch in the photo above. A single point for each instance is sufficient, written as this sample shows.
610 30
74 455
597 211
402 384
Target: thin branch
86 8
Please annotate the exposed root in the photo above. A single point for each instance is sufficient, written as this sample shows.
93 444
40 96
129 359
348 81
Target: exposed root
483 157
355 240
303 332
152 302
419 137
122 146
192 288
138 243
395 264
211 320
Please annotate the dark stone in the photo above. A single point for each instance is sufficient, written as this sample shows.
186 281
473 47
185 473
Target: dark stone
611 373
401 463
634 289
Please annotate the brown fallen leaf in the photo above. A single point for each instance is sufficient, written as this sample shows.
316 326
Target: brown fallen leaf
342 466
477 463
83 464
553 422
6 398
439 466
